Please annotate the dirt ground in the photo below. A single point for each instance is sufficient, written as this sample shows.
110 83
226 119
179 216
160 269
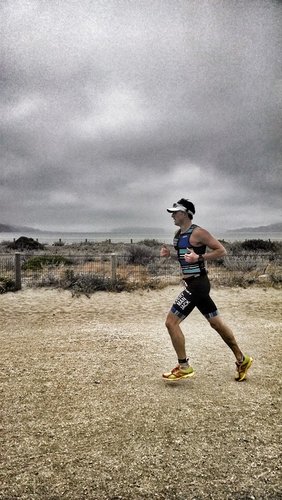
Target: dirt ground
86 415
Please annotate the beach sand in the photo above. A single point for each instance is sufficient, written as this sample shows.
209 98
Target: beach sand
86 415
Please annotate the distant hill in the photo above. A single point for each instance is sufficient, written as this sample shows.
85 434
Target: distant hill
271 228
4 228
138 230
7 228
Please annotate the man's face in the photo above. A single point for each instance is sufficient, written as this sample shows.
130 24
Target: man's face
178 217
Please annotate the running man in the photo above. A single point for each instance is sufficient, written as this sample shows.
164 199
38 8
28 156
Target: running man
190 242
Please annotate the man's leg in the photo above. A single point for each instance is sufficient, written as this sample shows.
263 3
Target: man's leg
176 335
227 335
183 370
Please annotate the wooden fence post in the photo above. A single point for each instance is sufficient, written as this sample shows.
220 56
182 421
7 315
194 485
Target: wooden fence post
18 275
114 266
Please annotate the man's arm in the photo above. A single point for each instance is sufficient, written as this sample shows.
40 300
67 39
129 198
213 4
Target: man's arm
203 237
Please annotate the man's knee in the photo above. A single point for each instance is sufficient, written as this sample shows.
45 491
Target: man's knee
168 322
215 322
171 321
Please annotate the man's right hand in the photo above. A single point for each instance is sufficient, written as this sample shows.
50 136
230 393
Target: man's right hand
164 252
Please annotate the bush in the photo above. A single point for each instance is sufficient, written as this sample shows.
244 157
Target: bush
150 243
240 264
24 243
239 247
139 254
236 279
275 279
86 284
256 245
40 261
59 243
7 285
48 280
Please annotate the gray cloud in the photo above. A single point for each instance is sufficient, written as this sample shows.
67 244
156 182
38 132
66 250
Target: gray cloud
112 110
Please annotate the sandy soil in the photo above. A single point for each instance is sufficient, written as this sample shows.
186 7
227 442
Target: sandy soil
85 414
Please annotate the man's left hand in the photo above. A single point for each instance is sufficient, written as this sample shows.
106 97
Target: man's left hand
191 257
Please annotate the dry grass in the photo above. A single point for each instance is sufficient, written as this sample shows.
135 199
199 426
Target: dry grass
256 269
85 414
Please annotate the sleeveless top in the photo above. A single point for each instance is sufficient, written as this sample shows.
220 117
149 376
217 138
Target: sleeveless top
181 242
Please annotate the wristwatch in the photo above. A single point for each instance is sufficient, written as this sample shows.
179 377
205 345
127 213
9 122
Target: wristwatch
201 259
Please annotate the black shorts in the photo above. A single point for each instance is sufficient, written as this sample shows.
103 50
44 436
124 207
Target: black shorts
196 294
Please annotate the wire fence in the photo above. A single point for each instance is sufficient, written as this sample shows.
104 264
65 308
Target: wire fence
24 270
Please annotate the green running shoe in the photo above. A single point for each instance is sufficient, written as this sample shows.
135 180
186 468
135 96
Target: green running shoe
178 373
242 368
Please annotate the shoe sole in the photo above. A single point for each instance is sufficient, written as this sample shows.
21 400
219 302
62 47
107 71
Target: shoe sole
189 375
245 373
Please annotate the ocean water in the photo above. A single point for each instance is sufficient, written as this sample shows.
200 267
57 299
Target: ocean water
53 237
50 238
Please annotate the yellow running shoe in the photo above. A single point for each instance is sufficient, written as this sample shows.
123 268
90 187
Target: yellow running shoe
242 368
178 373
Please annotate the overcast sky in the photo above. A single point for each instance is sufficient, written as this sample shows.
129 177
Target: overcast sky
111 110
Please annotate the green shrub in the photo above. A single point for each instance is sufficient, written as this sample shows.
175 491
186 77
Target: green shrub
40 261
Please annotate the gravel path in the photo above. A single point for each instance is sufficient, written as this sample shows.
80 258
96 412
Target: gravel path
85 414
